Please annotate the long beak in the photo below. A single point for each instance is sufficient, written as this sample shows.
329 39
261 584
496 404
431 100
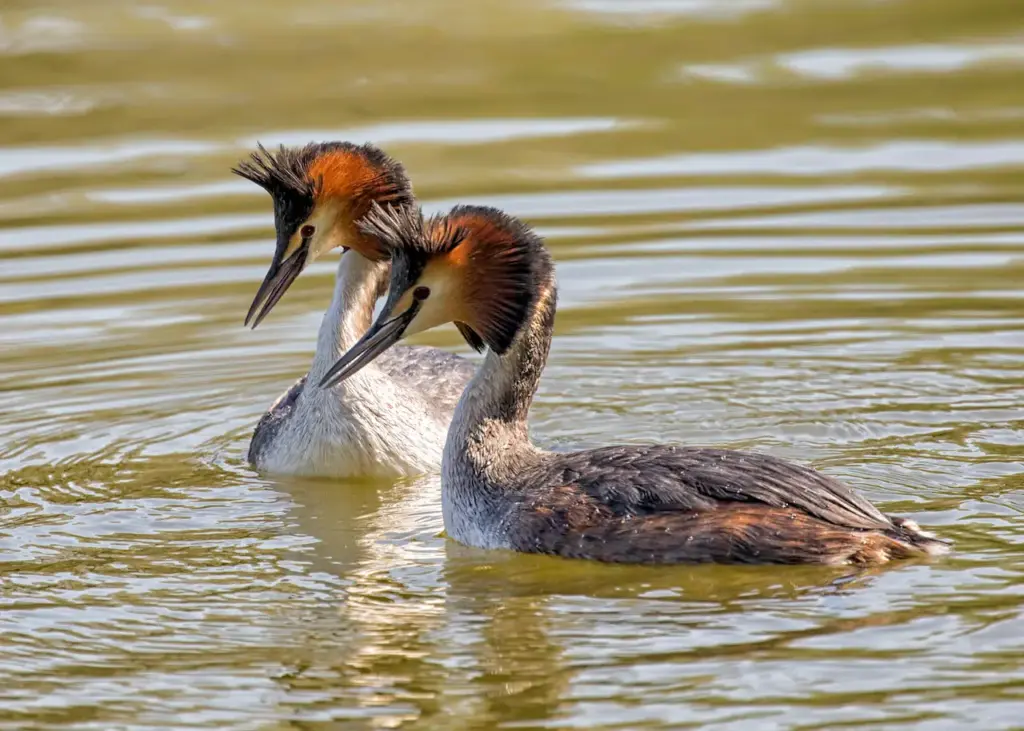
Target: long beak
377 339
279 278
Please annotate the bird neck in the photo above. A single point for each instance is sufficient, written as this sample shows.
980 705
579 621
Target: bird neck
493 411
358 285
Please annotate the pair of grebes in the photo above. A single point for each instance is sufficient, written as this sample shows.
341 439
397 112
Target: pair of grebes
371 407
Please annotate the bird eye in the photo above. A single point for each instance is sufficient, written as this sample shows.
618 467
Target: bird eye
307 231
420 293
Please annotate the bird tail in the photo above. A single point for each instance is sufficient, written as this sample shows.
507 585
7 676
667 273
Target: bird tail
910 541
905 540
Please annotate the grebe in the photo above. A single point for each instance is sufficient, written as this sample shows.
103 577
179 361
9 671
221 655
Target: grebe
652 504
392 422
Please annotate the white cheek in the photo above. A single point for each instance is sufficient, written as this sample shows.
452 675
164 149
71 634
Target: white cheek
321 244
328 235
440 307
431 314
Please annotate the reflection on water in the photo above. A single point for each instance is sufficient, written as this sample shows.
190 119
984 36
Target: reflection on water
910 156
835 64
783 225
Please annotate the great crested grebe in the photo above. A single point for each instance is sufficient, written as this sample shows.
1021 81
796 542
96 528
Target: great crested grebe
651 504
393 420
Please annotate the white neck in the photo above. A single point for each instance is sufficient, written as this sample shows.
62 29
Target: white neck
358 285
489 435
488 443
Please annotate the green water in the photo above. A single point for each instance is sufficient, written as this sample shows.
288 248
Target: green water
786 225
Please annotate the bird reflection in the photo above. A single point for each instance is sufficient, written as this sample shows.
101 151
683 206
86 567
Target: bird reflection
422 627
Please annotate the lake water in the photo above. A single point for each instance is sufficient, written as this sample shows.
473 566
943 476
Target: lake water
794 226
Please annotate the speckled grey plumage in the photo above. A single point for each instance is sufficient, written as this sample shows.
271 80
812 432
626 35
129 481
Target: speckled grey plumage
439 375
270 423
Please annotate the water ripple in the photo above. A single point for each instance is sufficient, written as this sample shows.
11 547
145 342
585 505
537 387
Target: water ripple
832 277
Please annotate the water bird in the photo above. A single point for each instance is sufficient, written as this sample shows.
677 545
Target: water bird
649 504
392 421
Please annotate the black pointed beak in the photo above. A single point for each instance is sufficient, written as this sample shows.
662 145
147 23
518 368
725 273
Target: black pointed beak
279 278
380 337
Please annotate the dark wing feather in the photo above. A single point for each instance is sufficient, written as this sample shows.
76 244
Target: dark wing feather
271 421
644 480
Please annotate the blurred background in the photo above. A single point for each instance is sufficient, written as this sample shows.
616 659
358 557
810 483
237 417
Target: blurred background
786 225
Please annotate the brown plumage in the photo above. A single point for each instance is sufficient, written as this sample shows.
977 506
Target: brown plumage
730 533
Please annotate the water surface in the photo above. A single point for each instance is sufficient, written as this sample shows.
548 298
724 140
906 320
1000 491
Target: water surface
786 225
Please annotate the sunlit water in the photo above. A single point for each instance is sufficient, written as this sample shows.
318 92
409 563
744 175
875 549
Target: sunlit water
786 225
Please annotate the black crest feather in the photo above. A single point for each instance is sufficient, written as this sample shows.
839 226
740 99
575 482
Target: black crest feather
283 172
398 227
294 178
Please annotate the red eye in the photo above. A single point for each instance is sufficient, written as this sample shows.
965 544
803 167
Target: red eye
307 231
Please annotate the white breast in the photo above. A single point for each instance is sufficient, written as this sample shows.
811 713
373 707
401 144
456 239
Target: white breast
369 428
